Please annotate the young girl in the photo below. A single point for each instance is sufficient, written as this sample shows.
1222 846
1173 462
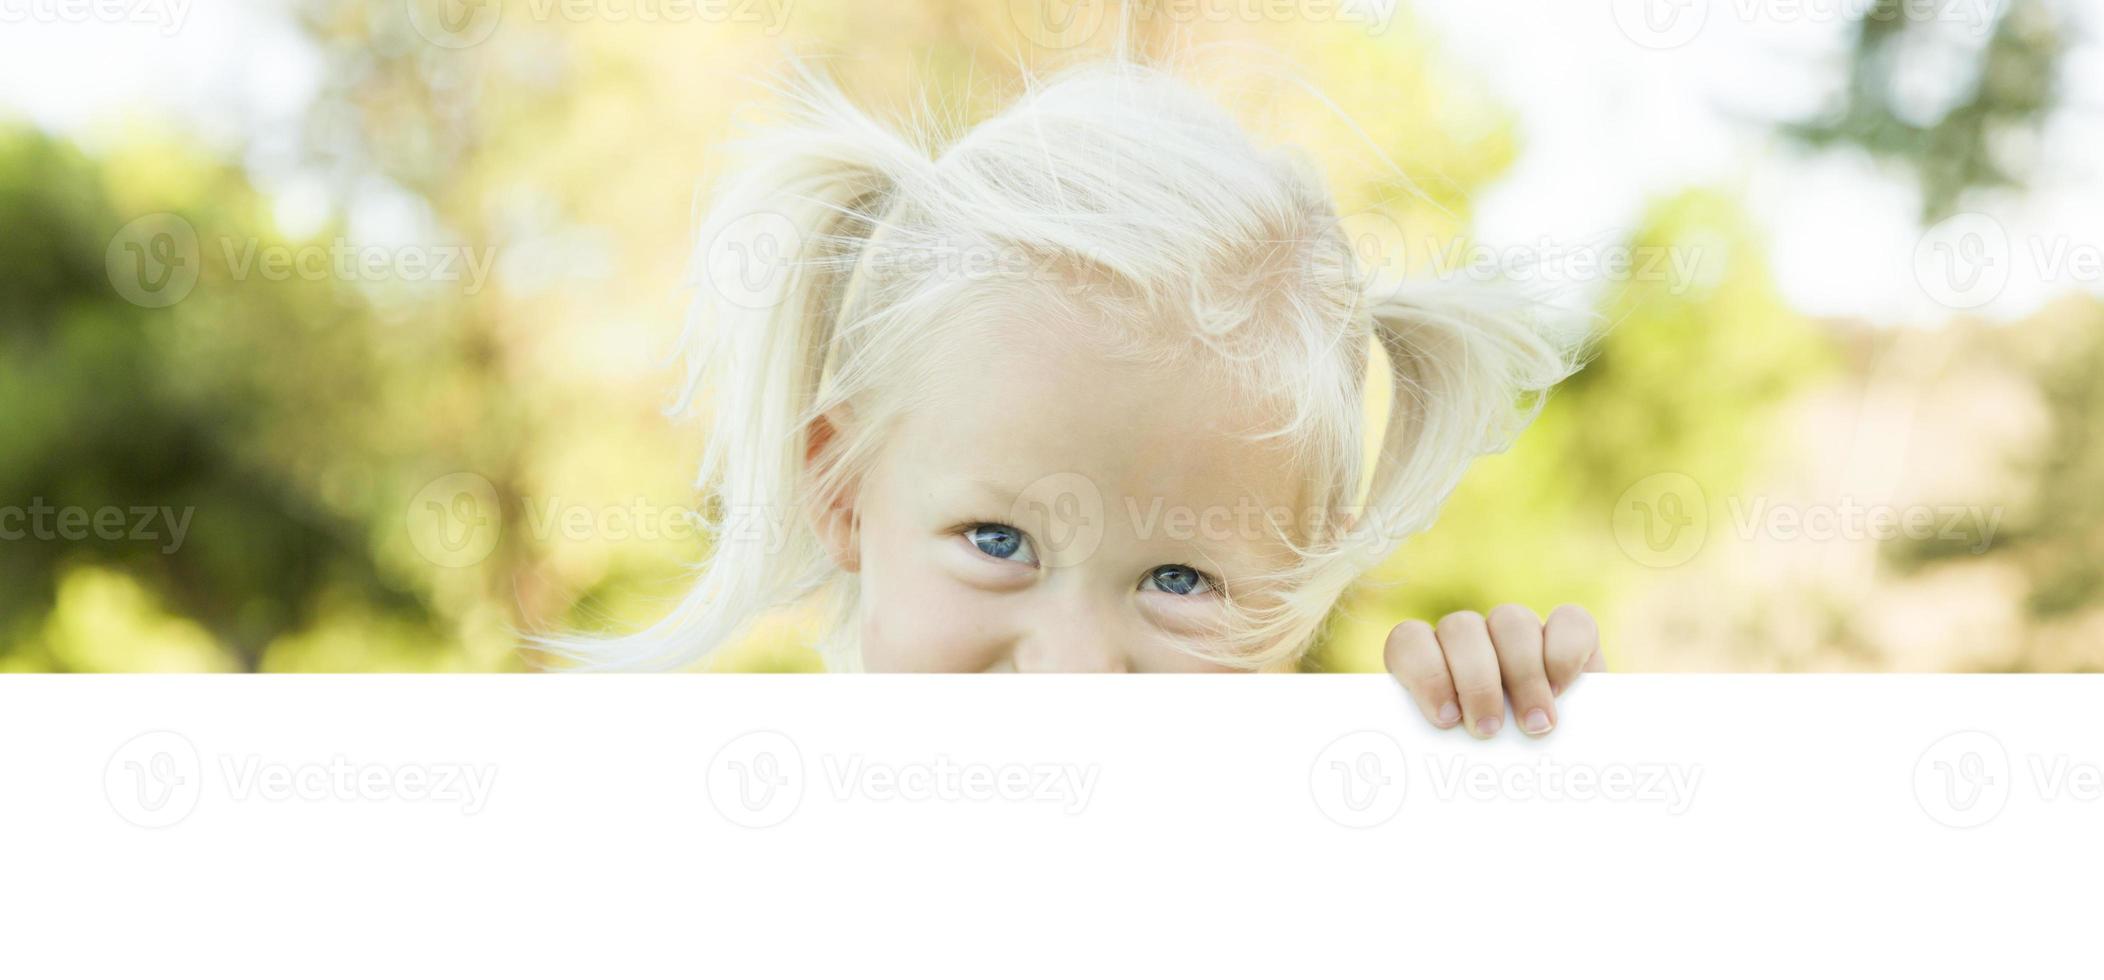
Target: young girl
1084 390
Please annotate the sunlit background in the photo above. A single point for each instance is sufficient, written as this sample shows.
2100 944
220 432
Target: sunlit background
334 336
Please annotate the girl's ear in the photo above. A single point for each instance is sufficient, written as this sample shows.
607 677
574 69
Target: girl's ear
834 516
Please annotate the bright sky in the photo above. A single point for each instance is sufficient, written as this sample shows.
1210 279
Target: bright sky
1615 108
1609 122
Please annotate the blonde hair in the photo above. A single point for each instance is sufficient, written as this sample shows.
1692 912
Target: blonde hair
1128 198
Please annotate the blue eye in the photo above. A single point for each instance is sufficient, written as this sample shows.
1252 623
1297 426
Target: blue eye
1001 541
1179 580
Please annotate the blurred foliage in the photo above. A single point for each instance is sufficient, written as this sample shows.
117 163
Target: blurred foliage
2058 533
302 422
189 420
1959 120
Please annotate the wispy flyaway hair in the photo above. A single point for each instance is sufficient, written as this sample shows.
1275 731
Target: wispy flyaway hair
842 254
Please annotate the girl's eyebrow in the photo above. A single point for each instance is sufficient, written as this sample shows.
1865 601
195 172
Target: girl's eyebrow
1004 494
997 488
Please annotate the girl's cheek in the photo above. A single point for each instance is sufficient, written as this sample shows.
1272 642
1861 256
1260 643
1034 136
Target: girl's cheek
1185 617
922 637
1184 620
920 617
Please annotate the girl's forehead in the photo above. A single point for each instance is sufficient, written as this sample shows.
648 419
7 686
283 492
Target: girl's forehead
1012 411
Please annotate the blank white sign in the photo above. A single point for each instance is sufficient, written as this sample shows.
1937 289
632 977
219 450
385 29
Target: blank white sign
1031 825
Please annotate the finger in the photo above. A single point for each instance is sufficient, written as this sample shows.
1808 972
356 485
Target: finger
1412 655
1517 634
1464 641
1570 644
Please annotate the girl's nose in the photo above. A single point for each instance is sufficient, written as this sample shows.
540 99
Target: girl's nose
1072 639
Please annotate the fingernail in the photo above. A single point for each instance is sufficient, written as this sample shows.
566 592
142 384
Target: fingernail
1537 722
1449 713
1487 725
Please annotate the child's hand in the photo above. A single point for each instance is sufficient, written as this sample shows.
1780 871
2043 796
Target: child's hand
1466 667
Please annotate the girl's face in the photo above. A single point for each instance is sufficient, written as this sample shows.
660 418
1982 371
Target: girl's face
1052 509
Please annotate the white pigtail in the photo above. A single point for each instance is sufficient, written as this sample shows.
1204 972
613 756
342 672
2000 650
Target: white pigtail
1471 366
776 259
